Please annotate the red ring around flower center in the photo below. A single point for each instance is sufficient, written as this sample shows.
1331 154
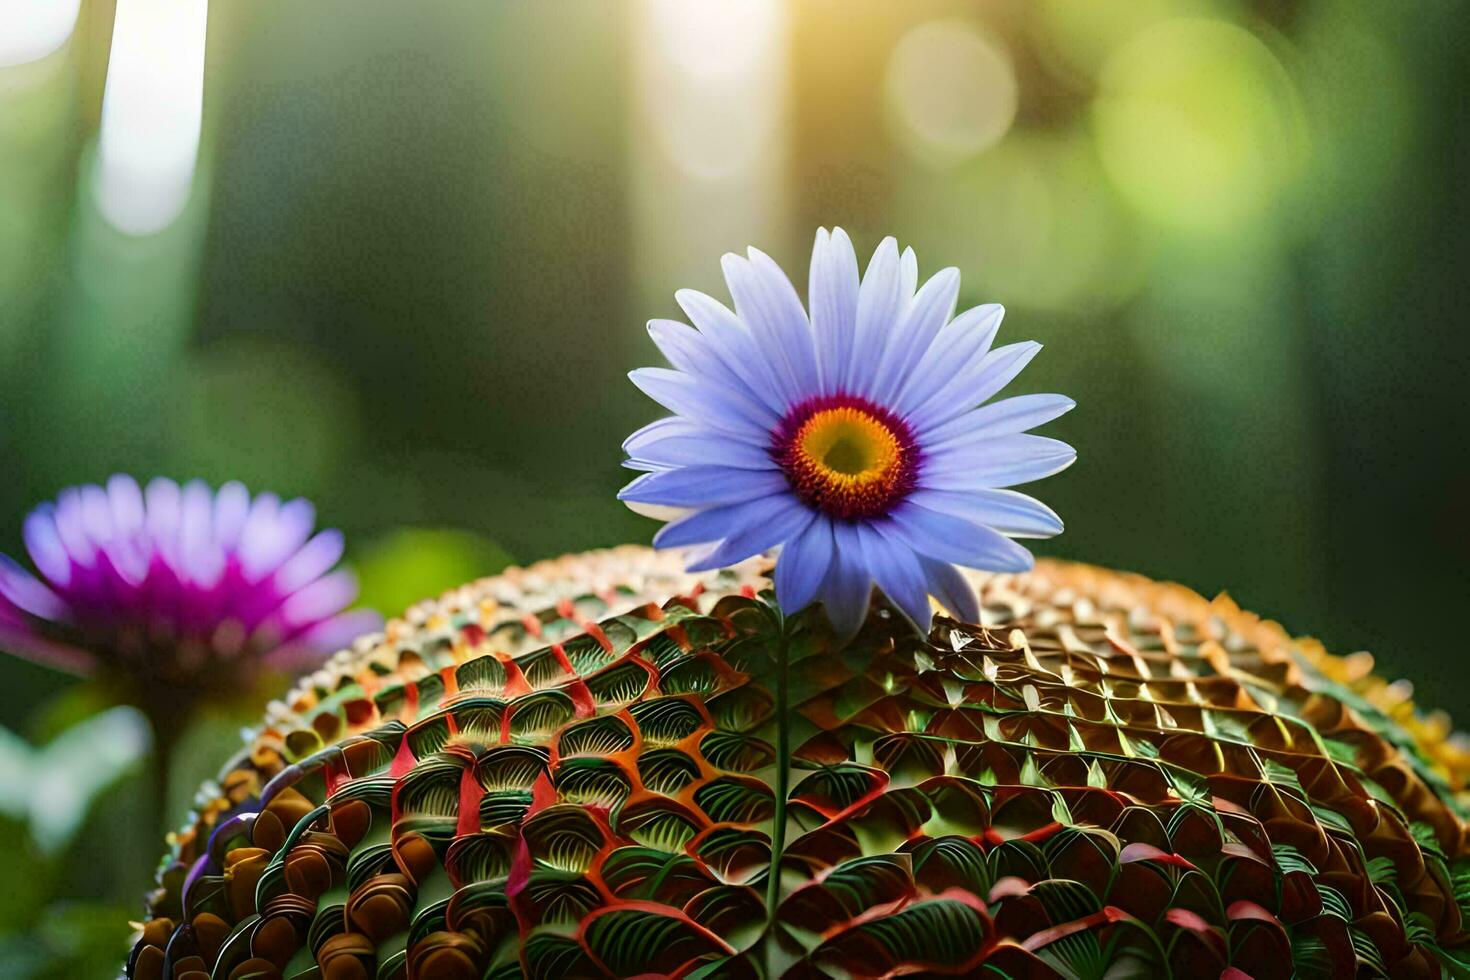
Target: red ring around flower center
846 456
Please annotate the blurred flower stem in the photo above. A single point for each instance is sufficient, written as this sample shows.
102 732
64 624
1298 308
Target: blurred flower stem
168 725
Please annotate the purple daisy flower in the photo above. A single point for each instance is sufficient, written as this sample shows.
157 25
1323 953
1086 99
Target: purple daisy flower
177 589
854 439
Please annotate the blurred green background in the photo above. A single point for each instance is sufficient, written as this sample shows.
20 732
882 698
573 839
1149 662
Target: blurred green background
422 240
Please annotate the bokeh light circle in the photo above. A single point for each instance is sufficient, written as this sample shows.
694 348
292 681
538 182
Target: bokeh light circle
713 39
1033 223
1075 37
1199 126
951 92
32 29
710 75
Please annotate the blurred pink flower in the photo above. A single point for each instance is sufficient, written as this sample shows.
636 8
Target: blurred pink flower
179 589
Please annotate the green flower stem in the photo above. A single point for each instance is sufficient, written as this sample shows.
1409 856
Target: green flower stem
783 774
167 719
165 751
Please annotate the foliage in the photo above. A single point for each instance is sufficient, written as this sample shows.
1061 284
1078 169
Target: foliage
570 770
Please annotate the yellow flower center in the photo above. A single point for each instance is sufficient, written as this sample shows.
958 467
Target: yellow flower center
850 459
848 446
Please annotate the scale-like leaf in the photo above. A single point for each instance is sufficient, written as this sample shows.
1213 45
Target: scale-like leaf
572 772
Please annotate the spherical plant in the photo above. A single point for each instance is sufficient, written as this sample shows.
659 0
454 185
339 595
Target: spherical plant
178 593
567 771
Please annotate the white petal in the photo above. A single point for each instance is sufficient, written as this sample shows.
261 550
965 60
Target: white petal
669 425
1008 511
779 303
952 590
737 347
45 547
1003 462
775 521
1003 418
706 448
974 385
895 569
832 294
760 305
715 523
231 508
880 300
703 400
959 346
703 486
953 539
26 592
803 564
692 352
658 512
848 587
926 314
908 274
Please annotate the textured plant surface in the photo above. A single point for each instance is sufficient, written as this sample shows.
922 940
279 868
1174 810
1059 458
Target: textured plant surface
567 771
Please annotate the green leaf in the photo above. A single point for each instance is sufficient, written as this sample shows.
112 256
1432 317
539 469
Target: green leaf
1065 900
51 788
861 883
1329 817
1426 838
1381 870
941 932
1310 958
639 942
952 861
1334 903
1078 955
548 955
1289 860
1282 776
1366 951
